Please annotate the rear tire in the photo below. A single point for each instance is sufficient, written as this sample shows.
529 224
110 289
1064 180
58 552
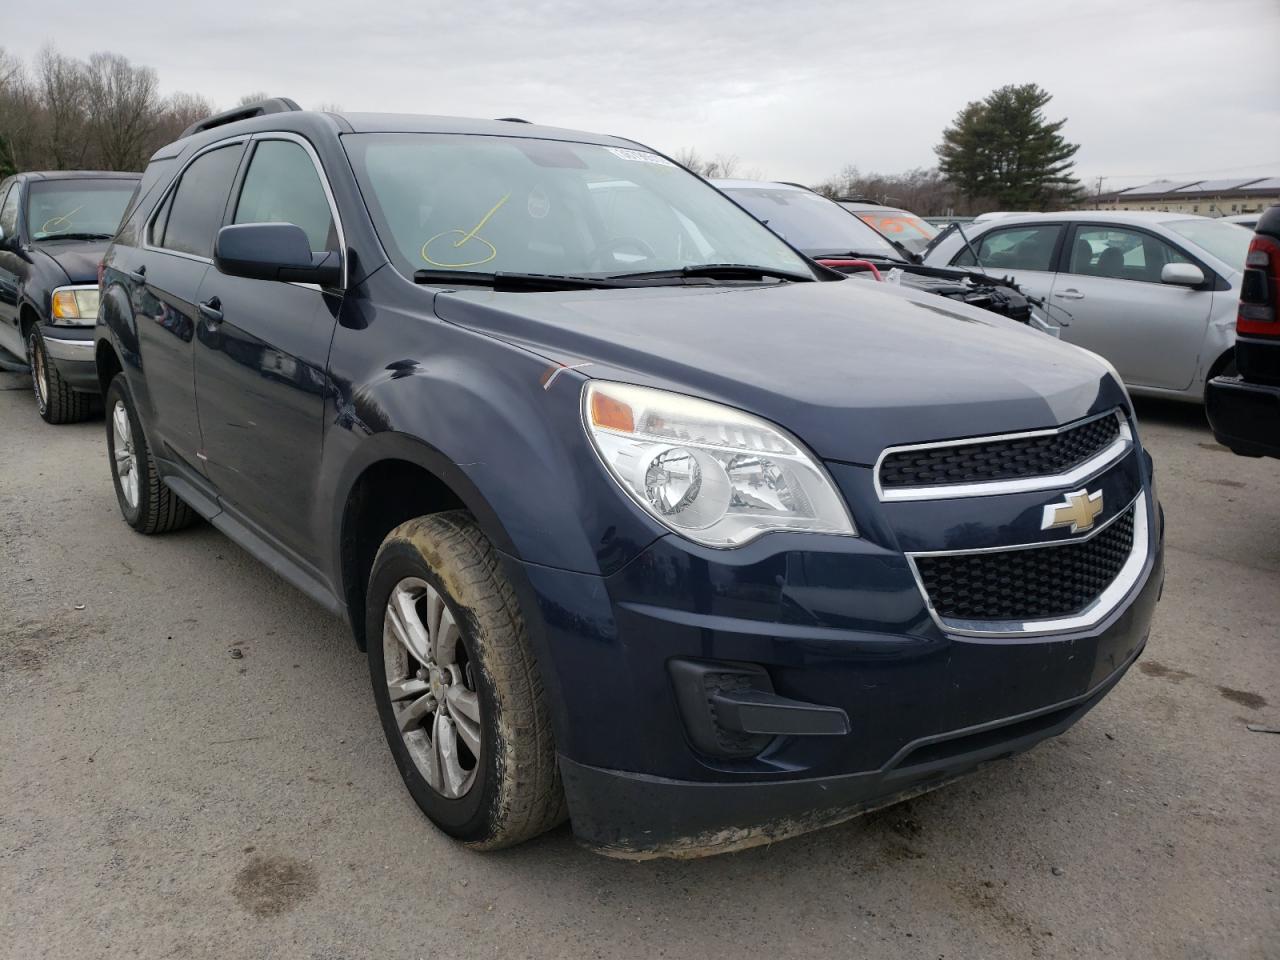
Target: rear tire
457 689
55 400
147 504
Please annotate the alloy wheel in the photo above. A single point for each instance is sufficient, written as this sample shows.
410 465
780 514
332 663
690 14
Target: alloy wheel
125 455
431 687
39 373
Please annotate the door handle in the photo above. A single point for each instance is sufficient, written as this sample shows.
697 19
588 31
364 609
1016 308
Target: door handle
211 309
139 275
1070 294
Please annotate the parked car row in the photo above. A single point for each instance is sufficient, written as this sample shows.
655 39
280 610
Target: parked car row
643 517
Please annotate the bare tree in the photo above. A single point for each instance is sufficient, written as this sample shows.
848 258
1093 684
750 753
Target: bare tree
922 191
17 113
123 110
176 114
64 92
723 167
249 98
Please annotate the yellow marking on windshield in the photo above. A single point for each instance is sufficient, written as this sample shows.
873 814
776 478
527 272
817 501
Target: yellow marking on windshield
466 236
483 220
63 218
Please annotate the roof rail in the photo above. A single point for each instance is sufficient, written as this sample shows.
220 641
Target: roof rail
790 183
259 108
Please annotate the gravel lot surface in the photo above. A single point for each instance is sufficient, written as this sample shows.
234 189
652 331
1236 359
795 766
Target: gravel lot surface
164 796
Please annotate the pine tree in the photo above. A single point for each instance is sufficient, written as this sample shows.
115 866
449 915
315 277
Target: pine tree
1001 152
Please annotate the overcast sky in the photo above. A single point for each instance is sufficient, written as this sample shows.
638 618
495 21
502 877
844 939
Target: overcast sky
797 90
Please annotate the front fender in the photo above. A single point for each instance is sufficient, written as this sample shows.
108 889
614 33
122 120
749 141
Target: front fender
117 326
474 411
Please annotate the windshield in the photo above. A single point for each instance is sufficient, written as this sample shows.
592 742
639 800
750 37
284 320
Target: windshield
908 229
1226 241
77 207
811 222
520 205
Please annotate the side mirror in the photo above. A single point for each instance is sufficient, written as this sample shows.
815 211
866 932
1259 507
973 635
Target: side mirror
273 251
1182 274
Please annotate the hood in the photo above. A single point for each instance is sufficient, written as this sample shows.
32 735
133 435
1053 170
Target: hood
847 368
78 259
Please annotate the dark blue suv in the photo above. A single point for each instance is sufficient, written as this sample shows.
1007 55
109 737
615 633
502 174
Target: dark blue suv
644 519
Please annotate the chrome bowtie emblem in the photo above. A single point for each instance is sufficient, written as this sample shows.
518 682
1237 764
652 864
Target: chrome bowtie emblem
1078 511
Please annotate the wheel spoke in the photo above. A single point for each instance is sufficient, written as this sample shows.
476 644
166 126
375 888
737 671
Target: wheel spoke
435 606
406 688
468 733
412 715
445 639
463 703
446 744
402 618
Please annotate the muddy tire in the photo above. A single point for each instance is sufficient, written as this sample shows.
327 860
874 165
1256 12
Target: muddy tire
145 502
456 686
55 400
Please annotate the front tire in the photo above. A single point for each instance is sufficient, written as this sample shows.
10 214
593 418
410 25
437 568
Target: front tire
456 687
146 503
55 400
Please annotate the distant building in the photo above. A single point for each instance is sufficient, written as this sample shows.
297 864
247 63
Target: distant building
1209 198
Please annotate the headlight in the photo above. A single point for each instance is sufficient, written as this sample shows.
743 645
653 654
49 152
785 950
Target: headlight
713 474
74 305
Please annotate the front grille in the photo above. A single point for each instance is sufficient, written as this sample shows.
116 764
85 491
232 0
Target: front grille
1046 455
1032 583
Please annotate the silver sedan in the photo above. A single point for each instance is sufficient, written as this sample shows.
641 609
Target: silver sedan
1154 293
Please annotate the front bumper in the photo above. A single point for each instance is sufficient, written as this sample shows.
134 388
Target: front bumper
71 351
838 622
636 817
1245 416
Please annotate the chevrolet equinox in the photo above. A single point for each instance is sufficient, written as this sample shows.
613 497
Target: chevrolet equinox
643 519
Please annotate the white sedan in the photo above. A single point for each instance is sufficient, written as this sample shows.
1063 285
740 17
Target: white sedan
1154 293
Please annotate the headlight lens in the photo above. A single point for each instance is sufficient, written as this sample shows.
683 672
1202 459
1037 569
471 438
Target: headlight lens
711 473
75 305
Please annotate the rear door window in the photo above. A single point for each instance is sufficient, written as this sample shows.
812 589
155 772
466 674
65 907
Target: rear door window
282 186
1120 254
1028 247
195 209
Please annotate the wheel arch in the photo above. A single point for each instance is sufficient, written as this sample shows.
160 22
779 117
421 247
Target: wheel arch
28 317
1225 358
107 362
396 478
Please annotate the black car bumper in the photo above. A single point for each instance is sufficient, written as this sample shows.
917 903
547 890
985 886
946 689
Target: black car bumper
636 817
1245 416
71 351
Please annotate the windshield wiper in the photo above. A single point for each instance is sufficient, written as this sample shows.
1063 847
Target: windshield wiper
508 282
855 255
717 271
74 236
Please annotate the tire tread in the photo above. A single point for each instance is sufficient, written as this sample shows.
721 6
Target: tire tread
531 795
